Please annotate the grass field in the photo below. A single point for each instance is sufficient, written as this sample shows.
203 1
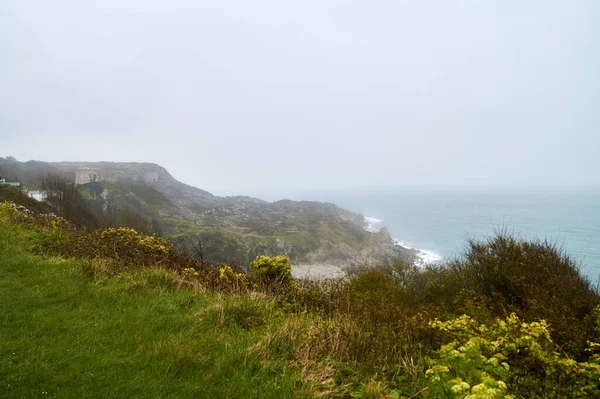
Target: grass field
65 333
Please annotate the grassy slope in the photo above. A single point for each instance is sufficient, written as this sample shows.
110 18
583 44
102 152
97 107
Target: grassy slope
16 195
68 334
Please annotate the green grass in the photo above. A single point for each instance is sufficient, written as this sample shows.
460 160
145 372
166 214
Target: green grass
66 333
122 327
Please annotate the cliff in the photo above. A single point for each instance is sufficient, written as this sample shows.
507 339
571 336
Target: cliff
230 229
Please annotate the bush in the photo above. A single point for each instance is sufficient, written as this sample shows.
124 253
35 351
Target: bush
18 197
124 245
272 270
232 278
536 281
509 355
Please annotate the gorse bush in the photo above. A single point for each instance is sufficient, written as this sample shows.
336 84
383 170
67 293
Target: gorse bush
8 211
229 276
132 243
272 270
124 245
536 281
508 355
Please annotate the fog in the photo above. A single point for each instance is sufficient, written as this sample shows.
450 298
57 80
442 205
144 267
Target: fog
240 96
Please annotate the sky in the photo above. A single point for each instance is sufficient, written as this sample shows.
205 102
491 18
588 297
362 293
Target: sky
237 96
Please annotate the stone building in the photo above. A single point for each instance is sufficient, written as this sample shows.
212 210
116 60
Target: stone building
87 175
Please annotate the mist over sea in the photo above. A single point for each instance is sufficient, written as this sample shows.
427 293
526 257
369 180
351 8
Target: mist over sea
440 221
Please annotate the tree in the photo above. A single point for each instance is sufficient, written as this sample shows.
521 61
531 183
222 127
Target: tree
65 197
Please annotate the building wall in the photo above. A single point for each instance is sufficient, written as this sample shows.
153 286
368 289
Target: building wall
37 195
83 176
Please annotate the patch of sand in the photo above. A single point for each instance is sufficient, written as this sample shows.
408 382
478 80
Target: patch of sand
317 271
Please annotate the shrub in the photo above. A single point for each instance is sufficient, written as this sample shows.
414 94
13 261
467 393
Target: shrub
129 246
272 270
536 281
485 361
232 279
124 245
18 197
8 211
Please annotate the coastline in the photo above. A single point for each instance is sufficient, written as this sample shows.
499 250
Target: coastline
322 271
424 257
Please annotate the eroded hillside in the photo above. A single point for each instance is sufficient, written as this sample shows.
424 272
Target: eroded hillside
229 229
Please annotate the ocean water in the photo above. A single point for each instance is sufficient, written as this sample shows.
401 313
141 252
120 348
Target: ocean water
439 221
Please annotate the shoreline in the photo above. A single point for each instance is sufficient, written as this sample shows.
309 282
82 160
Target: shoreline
324 271
424 257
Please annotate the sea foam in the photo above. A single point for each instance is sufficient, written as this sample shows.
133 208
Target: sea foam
424 257
371 222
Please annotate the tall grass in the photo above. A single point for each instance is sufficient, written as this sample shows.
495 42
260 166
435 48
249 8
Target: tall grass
69 333
372 334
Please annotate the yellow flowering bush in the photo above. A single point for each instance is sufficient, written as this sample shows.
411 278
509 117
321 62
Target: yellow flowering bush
14 212
276 269
507 356
7 211
189 272
127 237
126 243
228 275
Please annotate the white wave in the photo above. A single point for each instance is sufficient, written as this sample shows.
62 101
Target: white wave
427 257
424 257
371 222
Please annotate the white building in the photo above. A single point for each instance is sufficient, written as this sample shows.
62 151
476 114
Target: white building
38 195
3 182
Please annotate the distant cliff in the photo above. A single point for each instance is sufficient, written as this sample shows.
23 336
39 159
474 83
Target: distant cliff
230 229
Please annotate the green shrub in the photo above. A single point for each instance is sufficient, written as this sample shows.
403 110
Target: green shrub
233 279
535 280
124 245
272 270
8 211
487 361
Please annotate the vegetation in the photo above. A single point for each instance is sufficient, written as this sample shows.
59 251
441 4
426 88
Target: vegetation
119 313
73 329
65 197
272 270
17 196
231 229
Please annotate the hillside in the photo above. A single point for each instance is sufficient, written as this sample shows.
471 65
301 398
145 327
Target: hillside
113 313
233 229
69 333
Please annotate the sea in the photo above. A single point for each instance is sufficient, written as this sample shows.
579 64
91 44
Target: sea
439 221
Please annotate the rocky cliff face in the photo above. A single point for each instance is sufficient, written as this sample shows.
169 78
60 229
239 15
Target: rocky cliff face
149 173
236 229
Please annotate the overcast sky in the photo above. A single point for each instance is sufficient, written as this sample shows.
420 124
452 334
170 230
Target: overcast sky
243 96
